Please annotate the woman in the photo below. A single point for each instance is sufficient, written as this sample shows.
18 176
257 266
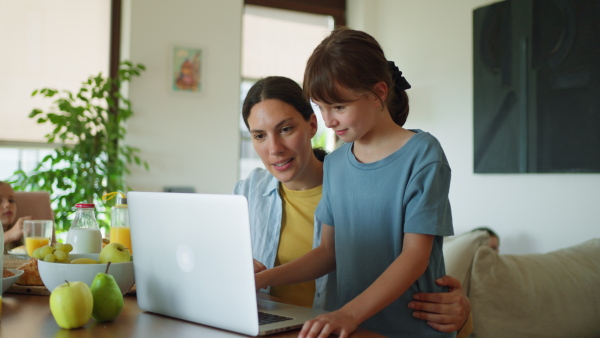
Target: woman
13 231
282 200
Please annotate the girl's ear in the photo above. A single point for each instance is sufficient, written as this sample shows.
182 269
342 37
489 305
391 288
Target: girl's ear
381 90
314 125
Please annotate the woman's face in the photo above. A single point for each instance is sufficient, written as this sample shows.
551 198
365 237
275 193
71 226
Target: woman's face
8 207
281 137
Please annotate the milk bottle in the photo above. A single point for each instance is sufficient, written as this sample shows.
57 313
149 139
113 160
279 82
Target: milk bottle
84 234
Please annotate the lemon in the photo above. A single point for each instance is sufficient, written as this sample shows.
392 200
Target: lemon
84 261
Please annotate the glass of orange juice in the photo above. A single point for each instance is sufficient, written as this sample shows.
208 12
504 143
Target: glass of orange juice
37 233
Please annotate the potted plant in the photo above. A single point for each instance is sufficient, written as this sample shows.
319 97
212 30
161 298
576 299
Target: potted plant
91 159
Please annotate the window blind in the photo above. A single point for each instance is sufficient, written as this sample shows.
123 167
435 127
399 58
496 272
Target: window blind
54 44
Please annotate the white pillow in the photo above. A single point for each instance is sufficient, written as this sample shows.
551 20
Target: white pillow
556 294
459 252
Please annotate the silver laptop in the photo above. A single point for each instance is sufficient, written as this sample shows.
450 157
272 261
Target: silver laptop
193 261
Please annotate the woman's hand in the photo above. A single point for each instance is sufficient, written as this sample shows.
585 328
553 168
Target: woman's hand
15 233
444 311
337 322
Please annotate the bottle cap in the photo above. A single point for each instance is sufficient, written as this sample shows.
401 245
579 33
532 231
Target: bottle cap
121 199
85 205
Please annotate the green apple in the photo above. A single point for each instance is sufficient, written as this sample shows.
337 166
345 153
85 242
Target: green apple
115 253
108 300
71 304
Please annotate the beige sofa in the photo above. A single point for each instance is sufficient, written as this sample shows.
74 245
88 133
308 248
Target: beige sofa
556 294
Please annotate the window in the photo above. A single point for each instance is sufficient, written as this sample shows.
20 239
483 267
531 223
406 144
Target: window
20 158
278 42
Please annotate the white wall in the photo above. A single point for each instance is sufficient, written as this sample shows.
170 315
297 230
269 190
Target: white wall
188 139
431 42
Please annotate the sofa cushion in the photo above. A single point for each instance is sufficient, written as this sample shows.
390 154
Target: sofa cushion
556 294
459 252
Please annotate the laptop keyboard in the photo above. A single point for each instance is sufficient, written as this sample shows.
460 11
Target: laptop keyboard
269 318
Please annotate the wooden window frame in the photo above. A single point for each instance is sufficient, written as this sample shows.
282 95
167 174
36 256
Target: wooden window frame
335 8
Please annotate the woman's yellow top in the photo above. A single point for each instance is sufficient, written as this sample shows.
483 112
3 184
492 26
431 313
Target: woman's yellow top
296 239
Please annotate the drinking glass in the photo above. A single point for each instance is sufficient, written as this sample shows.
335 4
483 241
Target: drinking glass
37 233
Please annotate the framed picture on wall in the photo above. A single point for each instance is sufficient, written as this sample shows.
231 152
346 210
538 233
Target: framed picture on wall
186 68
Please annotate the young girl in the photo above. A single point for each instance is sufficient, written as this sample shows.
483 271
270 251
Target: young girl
12 227
384 204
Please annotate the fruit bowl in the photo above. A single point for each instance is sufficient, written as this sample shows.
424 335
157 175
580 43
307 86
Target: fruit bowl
55 274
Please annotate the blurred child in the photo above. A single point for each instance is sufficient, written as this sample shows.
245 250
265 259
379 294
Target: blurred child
13 229
494 238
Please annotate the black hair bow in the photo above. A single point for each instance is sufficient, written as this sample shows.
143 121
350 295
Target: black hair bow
399 81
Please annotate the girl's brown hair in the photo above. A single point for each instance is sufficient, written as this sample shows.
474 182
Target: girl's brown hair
354 60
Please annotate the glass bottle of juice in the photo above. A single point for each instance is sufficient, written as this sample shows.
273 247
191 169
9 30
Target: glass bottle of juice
119 223
84 234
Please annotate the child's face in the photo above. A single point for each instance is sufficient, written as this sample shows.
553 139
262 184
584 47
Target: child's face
8 207
494 243
281 137
353 119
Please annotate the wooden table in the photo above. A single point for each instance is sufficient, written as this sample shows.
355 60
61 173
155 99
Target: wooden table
30 316
26 315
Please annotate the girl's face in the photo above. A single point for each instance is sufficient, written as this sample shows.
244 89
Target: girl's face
8 207
281 137
354 118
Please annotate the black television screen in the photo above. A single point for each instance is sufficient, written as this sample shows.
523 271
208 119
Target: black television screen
536 86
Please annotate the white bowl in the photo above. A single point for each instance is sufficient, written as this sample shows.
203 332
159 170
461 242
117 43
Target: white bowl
9 281
55 274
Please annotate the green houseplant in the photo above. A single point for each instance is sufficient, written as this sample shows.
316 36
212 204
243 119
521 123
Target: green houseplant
91 159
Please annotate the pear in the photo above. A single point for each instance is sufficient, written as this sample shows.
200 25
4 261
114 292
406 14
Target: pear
108 300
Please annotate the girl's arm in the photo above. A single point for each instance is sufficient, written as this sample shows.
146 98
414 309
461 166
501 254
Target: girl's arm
314 264
389 286
16 232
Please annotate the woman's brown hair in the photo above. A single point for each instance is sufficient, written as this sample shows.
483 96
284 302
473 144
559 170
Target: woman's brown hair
283 89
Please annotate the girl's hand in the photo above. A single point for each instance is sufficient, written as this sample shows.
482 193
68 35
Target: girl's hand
260 280
258 266
16 232
337 322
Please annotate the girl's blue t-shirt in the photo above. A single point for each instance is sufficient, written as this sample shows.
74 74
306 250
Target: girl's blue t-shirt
371 206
